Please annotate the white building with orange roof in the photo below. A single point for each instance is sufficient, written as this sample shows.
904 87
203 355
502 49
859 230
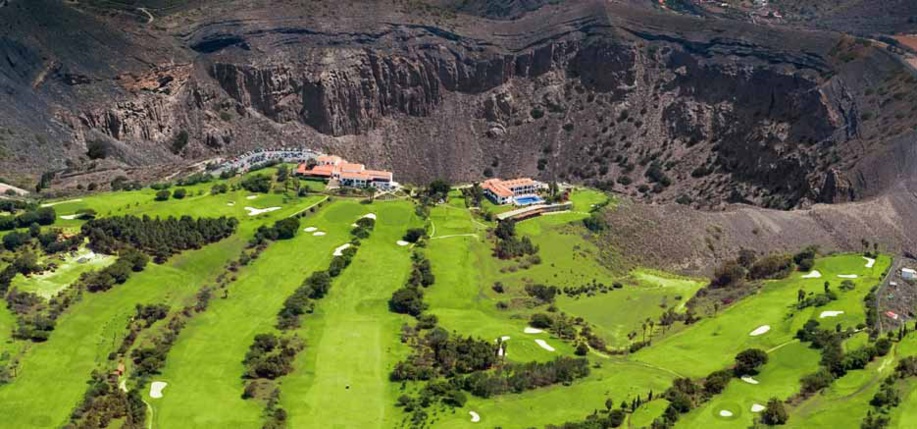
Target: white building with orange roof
521 191
354 175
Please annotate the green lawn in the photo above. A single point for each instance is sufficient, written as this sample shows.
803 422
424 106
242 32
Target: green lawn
621 311
69 269
712 343
204 368
353 340
52 376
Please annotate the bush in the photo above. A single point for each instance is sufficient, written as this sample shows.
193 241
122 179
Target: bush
774 413
163 195
413 235
541 321
179 193
749 361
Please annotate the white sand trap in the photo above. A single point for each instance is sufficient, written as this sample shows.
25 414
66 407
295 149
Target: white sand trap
402 243
749 380
318 233
500 352
544 344
340 249
814 274
231 204
847 276
869 262
311 229
832 313
475 417
761 330
757 408
251 197
370 215
70 217
531 330
505 337
62 202
354 225
725 413
254 212
156 388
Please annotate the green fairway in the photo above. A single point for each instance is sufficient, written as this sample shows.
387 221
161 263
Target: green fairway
341 379
711 344
52 375
69 269
622 311
204 368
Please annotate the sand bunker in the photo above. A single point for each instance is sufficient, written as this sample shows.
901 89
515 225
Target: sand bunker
757 408
251 197
318 233
474 417
761 330
725 413
311 229
231 204
501 352
869 262
544 344
70 217
340 249
749 380
156 388
531 330
505 337
402 243
847 276
825 314
254 212
812 275
370 215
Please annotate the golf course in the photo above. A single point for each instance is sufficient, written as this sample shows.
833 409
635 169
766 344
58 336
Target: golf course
263 300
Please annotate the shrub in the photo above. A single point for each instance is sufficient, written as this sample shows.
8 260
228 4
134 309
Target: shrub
774 413
179 194
163 195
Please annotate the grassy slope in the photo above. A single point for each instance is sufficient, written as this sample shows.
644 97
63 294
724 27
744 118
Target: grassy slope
353 340
205 367
49 284
52 376
90 329
713 342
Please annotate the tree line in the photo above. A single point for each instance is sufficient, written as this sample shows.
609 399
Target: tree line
42 216
509 245
159 238
103 401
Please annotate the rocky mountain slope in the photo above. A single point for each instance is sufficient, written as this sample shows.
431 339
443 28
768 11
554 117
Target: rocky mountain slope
660 106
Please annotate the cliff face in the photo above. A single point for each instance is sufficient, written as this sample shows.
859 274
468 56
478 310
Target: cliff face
652 105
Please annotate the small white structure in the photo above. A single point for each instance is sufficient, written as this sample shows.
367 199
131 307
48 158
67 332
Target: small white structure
908 274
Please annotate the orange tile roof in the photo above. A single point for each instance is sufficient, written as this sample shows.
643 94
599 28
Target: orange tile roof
359 175
318 170
496 186
379 174
352 167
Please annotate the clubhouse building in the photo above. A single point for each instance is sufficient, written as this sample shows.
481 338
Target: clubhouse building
335 168
522 191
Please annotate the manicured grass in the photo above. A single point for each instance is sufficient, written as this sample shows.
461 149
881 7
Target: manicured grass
353 342
616 379
621 311
712 343
69 269
204 368
52 375
778 378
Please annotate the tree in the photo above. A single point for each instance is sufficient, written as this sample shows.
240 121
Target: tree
749 361
163 195
407 300
414 235
179 193
286 228
439 189
774 413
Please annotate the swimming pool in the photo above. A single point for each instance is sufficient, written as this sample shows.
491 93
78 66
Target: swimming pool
527 200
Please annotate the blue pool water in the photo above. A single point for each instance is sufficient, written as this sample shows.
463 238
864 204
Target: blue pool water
527 200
